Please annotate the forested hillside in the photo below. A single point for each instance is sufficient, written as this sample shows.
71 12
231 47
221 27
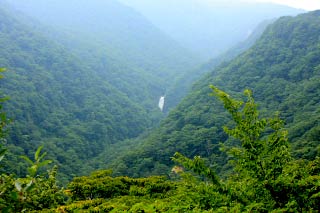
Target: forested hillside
282 70
57 99
115 31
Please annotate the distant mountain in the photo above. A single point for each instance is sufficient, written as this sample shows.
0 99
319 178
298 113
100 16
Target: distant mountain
208 28
117 30
183 85
283 71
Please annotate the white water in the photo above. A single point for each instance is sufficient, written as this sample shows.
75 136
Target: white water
161 103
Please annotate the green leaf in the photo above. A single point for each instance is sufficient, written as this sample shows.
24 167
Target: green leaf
43 163
36 155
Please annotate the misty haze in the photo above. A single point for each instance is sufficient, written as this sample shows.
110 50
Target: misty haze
159 106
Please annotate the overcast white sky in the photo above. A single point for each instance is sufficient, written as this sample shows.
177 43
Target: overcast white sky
302 4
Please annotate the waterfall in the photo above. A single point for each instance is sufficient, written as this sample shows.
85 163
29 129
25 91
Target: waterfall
161 103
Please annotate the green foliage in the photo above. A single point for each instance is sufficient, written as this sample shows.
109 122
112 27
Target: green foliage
265 177
197 165
32 192
101 185
25 194
101 192
38 162
262 155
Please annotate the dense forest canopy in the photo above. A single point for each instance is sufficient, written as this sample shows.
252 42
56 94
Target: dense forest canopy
79 108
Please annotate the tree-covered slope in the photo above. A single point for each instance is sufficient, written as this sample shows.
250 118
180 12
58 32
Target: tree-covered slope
118 31
283 71
58 99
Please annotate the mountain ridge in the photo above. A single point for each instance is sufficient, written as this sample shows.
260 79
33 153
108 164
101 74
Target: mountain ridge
208 29
122 32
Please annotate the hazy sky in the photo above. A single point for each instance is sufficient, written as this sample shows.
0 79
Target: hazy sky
302 4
